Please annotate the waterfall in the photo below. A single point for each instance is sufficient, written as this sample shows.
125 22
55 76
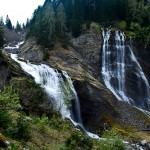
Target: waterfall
59 91
77 106
51 81
122 73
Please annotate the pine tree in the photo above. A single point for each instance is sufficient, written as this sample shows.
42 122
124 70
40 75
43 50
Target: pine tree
49 22
18 26
8 23
1 21
61 20
1 32
77 18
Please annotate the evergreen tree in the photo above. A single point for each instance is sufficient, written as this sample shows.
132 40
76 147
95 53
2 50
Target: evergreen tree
61 20
77 18
27 23
18 26
1 21
8 23
1 32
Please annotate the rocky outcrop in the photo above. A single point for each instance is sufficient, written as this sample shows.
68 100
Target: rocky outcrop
31 51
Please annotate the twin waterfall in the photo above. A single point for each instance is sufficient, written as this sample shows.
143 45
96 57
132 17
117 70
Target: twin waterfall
122 73
59 88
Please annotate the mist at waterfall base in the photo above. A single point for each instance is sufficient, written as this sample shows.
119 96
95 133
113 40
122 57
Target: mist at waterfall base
55 86
122 73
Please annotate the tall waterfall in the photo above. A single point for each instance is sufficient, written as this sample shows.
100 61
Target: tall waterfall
60 90
122 73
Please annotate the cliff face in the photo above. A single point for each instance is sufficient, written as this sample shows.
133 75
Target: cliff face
82 61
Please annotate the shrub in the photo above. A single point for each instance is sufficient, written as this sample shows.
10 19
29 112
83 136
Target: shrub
88 23
5 119
112 141
46 54
123 25
42 123
9 99
78 141
21 129
135 26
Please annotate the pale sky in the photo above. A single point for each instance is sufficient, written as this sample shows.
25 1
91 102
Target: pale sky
18 9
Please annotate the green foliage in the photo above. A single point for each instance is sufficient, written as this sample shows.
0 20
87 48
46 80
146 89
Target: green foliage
21 129
46 54
58 124
5 119
27 89
18 26
68 94
98 29
13 147
88 23
8 23
8 98
135 26
112 141
61 20
42 123
1 32
54 18
123 25
142 34
77 141
76 27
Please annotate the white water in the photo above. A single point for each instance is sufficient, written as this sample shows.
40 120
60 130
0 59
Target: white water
14 47
116 60
79 118
56 89
50 80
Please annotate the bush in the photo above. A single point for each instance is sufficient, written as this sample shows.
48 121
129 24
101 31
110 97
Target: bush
88 23
9 99
135 26
123 25
42 123
112 141
5 119
21 129
78 141
46 54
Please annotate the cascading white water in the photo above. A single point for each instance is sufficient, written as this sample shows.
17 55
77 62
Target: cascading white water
122 73
115 70
57 89
51 81
77 107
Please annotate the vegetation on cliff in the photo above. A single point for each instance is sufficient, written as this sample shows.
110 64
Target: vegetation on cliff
56 18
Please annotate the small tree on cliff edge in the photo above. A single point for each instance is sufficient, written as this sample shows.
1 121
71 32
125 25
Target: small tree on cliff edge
8 23
1 32
61 20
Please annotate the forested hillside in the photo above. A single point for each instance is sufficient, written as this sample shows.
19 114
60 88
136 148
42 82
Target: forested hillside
57 17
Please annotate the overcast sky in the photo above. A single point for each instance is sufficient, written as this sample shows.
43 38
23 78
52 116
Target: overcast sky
18 9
